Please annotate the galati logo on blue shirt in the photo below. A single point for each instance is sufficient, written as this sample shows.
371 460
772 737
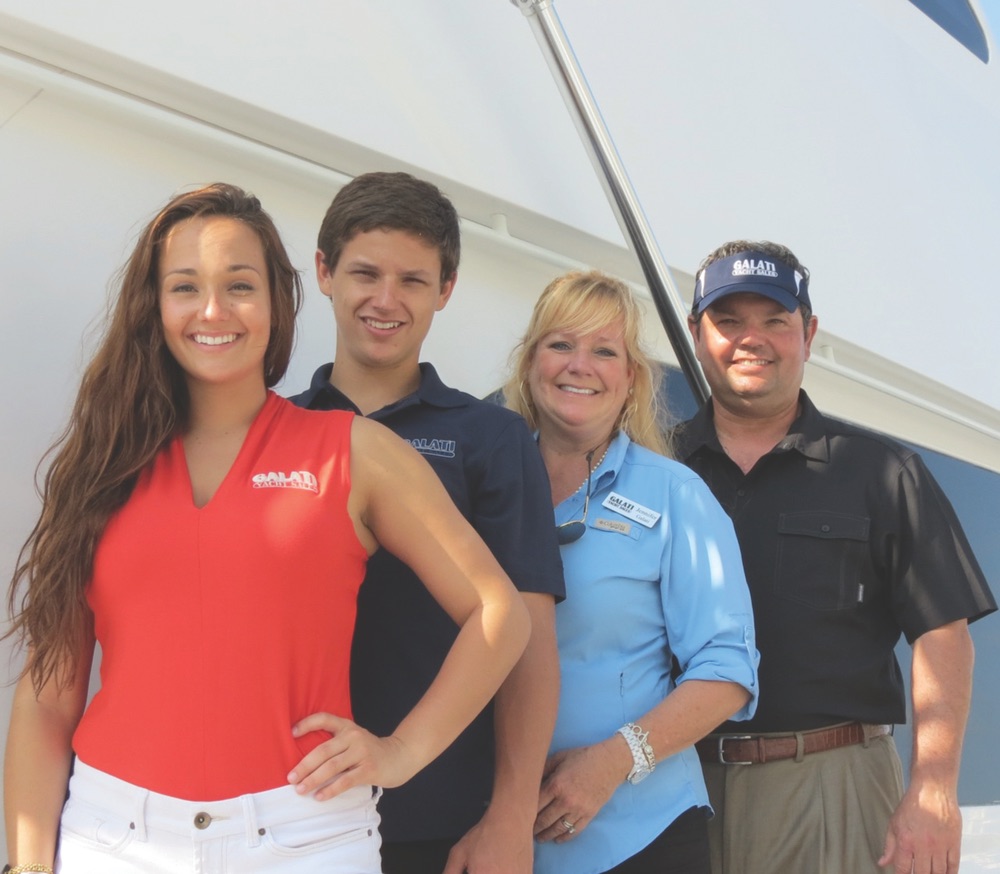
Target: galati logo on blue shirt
433 446
631 510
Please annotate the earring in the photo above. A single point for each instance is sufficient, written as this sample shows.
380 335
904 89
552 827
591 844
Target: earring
628 412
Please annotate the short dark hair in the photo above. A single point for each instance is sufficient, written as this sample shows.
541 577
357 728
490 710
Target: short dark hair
765 247
396 202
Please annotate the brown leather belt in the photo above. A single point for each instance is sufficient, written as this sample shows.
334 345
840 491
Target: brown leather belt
747 749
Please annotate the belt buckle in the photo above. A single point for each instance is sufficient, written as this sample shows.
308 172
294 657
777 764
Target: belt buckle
722 755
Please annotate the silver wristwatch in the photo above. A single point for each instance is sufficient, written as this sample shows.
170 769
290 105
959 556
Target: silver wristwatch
643 758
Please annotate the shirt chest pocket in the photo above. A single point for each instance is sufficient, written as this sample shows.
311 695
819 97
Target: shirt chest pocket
821 558
618 549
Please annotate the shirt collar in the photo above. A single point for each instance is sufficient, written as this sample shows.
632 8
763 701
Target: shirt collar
319 386
806 435
434 392
612 462
808 432
430 391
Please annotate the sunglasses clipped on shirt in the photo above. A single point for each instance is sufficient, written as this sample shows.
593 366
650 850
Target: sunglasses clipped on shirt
572 531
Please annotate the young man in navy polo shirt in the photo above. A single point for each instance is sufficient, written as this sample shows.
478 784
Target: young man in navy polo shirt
847 542
387 258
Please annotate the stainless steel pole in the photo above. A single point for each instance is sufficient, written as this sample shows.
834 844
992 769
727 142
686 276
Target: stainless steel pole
576 92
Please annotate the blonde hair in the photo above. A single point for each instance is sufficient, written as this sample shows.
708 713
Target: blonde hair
583 302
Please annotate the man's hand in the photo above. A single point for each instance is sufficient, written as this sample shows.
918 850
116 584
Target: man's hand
925 832
495 845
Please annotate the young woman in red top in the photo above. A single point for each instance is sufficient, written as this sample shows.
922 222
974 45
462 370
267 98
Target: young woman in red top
212 537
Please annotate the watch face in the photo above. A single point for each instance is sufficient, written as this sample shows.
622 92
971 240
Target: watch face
638 776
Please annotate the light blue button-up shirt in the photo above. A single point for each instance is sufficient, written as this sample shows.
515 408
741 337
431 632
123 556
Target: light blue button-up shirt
637 592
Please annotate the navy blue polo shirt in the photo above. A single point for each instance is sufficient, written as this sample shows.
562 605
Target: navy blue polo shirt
490 465
847 542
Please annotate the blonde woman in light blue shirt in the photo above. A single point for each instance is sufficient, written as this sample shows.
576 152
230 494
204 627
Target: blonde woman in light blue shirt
653 579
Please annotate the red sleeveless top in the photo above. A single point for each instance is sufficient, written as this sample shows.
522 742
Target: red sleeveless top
222 626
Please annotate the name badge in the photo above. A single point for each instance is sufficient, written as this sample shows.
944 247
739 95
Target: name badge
631 510
613 525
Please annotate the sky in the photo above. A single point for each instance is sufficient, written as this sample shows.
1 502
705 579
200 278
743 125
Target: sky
991 9
886 186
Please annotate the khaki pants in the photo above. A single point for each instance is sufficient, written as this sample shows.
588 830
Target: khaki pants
827 814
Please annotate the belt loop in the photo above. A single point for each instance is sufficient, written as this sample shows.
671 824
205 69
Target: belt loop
866 735
250 821
138 822
800 747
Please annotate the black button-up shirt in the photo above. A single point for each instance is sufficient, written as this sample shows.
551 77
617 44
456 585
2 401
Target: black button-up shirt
489 464
847 542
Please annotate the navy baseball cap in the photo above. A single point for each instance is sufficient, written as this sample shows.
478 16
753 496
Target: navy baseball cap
754 272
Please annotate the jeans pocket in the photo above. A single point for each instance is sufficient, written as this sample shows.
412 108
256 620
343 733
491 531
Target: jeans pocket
95 826
319 834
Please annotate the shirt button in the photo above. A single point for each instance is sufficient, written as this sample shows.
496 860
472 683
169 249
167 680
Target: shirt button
741 492
202 820
825 529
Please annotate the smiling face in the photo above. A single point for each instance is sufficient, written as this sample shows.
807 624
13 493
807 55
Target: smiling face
580 382
753 352
385 289
215 300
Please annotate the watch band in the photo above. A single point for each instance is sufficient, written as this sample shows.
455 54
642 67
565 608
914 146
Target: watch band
643 757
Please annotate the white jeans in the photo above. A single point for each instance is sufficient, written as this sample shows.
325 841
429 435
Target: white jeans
109 826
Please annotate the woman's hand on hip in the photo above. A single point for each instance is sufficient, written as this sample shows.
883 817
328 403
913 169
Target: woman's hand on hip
351 757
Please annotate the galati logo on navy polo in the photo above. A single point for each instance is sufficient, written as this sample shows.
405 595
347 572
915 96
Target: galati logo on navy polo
752 267
297 479
631 510
433 446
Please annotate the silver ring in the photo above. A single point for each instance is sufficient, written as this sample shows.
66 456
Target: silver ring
566 824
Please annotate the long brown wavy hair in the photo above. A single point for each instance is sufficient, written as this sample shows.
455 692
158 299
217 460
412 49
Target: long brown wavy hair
133 398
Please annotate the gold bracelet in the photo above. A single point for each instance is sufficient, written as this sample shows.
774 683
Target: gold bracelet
24 869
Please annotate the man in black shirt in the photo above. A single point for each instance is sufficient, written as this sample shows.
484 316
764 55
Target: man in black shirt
387 258
847 542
